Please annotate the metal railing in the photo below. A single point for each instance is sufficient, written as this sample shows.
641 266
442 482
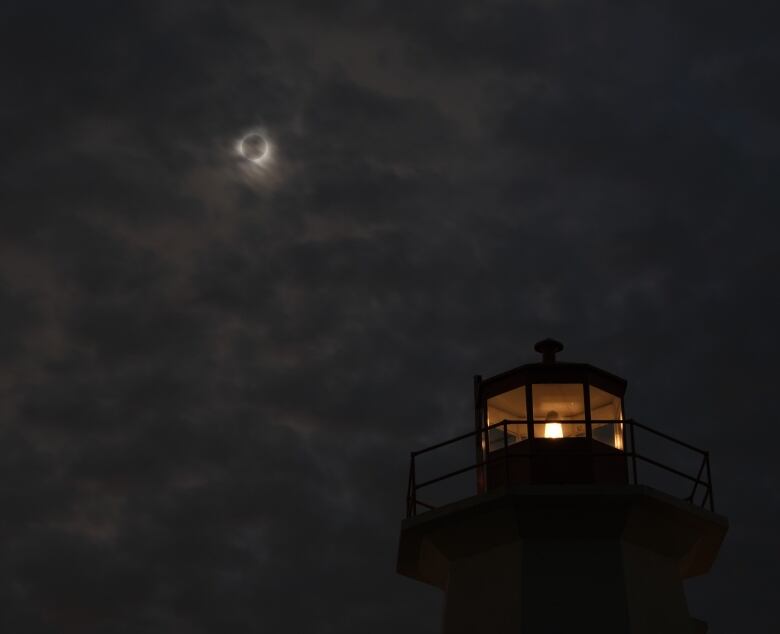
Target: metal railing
702 481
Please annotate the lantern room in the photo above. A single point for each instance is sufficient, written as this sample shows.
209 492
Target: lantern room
550 423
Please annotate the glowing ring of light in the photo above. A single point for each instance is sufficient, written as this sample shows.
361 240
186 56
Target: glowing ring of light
243 150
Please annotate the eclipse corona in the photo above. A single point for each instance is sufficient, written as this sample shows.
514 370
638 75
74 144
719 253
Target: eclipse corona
254 147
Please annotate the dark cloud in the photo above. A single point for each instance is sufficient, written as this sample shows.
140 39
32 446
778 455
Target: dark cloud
211 375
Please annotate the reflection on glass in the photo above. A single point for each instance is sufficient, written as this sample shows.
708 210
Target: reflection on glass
606 407
507 406
609 433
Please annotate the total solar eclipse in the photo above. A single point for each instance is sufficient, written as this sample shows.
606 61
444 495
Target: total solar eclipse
254 147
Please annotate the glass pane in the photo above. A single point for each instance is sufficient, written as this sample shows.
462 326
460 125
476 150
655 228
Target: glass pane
609 433
604 406
555 403
514 433
507 406
561 401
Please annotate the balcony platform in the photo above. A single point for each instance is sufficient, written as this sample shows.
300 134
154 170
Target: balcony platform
563 555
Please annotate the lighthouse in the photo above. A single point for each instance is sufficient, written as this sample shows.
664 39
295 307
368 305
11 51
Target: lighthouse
562 514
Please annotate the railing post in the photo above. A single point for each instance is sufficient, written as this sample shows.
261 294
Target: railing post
409 487
709 483
479 422
698 480
411 497
633 451
506 455
486 457
624 446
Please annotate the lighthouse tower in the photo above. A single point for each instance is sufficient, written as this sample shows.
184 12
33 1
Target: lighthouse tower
583 520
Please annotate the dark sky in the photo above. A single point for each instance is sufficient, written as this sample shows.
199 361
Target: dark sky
211 372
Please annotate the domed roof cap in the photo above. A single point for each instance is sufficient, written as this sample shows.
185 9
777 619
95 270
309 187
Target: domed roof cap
548 348
550 370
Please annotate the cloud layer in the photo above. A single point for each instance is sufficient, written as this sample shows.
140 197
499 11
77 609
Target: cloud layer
211 375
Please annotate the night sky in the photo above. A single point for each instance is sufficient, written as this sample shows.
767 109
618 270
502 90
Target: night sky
212 371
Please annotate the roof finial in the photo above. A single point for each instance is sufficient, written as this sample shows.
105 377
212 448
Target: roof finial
548 348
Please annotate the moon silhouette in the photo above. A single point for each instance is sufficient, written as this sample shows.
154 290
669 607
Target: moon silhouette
253 147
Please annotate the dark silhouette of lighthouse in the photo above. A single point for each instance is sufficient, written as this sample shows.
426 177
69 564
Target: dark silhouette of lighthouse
574 527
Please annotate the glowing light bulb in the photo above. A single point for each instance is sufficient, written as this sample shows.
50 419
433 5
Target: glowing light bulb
552 428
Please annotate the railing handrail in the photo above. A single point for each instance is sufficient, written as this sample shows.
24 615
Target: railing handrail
667 437
698 480
445 443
